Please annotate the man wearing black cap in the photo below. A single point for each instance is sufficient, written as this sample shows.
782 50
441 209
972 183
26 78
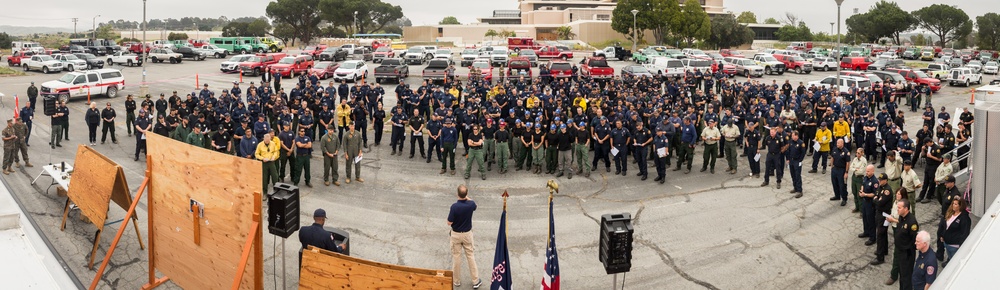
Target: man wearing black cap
883 207
32 95
751 147
314 235
689 136
143 126
933 153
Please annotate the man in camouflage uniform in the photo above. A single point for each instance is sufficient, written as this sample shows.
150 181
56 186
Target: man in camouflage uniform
9 146
21 131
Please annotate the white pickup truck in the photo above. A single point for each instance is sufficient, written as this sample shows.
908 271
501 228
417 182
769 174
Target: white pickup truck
162 54
964 76
124 58
44 63
70 62
82 83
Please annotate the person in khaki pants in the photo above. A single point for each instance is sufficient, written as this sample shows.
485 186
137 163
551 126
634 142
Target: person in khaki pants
460 220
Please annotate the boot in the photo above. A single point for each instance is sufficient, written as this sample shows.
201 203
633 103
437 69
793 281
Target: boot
489 166
28 164
561 174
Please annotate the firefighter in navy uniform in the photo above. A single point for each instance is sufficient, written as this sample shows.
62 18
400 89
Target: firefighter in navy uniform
883 206
661 142
776 146
905 236
751 147
796 153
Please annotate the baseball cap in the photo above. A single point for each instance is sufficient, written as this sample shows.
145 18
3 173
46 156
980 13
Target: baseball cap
950 178
883 176
319 213
538 125
552 127
582 124
563 126
529 124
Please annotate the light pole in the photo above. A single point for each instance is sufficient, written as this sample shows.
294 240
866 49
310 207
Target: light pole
831 27
634 40
356 22
143 88
840 54
95 27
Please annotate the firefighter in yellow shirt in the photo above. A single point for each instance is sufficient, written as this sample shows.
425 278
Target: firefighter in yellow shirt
841 129
268 152
823 137
533 101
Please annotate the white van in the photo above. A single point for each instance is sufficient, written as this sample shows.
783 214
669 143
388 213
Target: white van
27 46
82 83
668 66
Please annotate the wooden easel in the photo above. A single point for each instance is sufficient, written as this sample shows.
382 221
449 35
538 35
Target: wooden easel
94 189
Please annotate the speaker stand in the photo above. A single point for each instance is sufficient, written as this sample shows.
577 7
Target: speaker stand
614 281
284 271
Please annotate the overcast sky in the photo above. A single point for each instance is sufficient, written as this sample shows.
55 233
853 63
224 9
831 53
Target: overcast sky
816 13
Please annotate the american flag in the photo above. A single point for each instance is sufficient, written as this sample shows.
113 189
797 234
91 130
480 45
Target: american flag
550 281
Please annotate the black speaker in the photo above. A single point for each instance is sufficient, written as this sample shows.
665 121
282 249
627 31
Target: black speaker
49 104
616 243
283 210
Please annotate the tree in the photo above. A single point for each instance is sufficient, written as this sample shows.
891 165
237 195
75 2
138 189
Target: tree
862 26
565 33
885 19
504 33
177 36
694 24
947 22
988 36
393 29
918 39
659 16
791 19
108 32
728 32
5 39
285 32
794 33
491 34
372 15
300 15
771 21
450 20
259 27
747 17
234 29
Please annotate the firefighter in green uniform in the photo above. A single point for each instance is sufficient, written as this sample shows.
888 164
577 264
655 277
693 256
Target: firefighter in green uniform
502 138
9 147
475 143
330 145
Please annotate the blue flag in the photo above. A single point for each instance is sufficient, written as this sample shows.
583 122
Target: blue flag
500 279
550 281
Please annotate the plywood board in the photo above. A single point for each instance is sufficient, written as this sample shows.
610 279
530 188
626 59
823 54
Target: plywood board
225 185
323 269
93 182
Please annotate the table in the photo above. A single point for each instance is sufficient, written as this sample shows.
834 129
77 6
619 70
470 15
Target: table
59 177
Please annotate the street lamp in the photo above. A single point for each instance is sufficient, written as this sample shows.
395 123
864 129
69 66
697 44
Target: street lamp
839 2
356 22
95 27
831 27
634 40
143 88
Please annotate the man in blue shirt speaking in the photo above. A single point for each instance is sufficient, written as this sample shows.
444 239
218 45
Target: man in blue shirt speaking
460 220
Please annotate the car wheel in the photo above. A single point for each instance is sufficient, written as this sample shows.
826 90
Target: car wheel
111 62
153 59
966 83
260 50
378 80
45 70
173 60
746 73
64 97
256 71
243 51
826 68
564 57
112 92
798 70
25 67
130 62
767 70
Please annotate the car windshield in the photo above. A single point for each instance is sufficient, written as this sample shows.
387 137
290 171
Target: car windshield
519 63
382 49
598 63
67 78
469 51
87 56
699 63
44 58
254 59
920 74
500 51
638 69
415 50
346 46
310 48
798 58
561 66
349 65
672 51
527 52
992 63
443 51
287 60
768 58
330 49
697 52
481 65
322 65
70 57
238 58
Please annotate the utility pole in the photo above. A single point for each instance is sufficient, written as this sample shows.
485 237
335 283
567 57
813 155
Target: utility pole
143 87
95 26
75 20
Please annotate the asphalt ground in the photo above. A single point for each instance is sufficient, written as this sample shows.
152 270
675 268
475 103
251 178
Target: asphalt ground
697 231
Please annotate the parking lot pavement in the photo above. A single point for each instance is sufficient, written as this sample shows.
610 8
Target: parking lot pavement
696 231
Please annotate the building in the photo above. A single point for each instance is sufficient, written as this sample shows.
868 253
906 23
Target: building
764 31
589 19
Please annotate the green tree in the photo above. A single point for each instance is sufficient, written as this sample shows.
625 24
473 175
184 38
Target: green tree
234 29
794 33
988 35
504 33
107 32
771 20
863 26
301 16
177 36
747 17
565 33
658 16
285 32
695 23
450 20
372 15
491 34
259 28
393 29
728 32
947 22
5 40
890 20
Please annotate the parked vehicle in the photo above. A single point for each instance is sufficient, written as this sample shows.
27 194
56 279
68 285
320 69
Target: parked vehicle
615 52
771 65
233 45
15 60
693 64
845 82
890 77
314 50
854 63
92 61
499 56
233 64
349 48
258 63
636 71
975 65
190 52
124 58
213 50
803 46
560 69
352 70
163 54
643 55
333 54
290 66
991 67
443 54
391 68
665 66
90 45
383 53
518 67
596 68
795 63
964 76
746 67
918 77
482 69
824 63
530 55
324 69
937 70
73 48
18 46
927 56
273 45
362 53
883 63
553 52
83 83
43 63
522 43
70 62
